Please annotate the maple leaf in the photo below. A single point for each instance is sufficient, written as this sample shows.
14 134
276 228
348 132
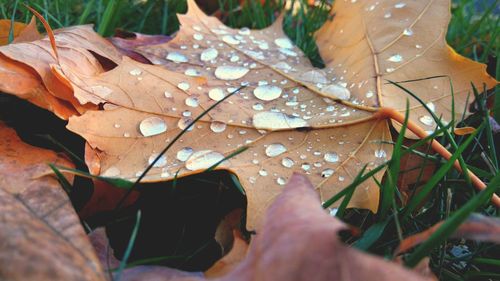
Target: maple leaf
328 122
42 238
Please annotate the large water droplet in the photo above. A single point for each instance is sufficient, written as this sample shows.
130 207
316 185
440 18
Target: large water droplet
275 149
192 102
314 76
283 42
335 91
216 94
331 157
203 159
426 120
160 163
227 72
152 126
230 40
395 58
176 57
327 172
183 86
267 92
209 54
277 120
184 153
218 127
184 122
287 162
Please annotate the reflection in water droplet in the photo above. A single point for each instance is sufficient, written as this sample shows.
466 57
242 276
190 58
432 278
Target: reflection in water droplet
331 157
395 58
192 102
327 172
306 166
287 162
168 94
335 91
227 72
184 153
183 86
216 94
341 178
218 127
275 149
267 92
277 120
263 172
152 126
111 172
203 159
399 5
281 181
160 163
258 106
283 42
209 54
380 153
431 106
197 36
176 57
426 120
369 94
184 122
408 32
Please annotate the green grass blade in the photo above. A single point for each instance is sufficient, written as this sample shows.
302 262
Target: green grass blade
89 7
130 246
238 151
371 235
107 17
12 20
62 179
116 182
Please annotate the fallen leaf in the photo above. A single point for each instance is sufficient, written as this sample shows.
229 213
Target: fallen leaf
298 241
29 34
5 27
126 42
235 256
42 238
327 122
477 227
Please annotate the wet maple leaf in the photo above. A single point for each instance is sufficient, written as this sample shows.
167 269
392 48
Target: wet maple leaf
328 123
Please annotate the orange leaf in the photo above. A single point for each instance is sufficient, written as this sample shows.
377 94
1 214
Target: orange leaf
5 26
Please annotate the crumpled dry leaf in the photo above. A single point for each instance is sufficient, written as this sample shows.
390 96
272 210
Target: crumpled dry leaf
29 34
477 227
337 108
298 241
29 69
42 238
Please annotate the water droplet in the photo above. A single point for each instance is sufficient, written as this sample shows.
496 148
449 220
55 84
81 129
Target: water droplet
335 91
186 113
281 181
327 173
184 122
275 149
399 5
216 94
217 127
408 32
263 172
431 106
198 36
227 72
287 162
306 166
426 120
418 46
331 157
258 106
267 92
152 126
209 54
395 58
333 211
234 58
135 72
117 125
314 76
380 153
192 102
176 57
111 172
387 15
230 40
369 94
183 86
203 159
160 163
184 153
341 178
287 52
283 42
244 31
164 174
277 120
192 72
168 94
390 69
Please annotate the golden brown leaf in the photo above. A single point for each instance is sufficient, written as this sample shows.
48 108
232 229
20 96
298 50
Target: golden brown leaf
42 238
5 26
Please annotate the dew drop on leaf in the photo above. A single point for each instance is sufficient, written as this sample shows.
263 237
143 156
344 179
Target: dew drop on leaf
176 57
327 173
227 72
283 43
267 92
380 153
203 159
287 162
277 120
426 120
275 149
152 126
184 153
192 102
216 94
160 163
331 157
395 58
183 86
209 54
281 181
335 91
217 127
